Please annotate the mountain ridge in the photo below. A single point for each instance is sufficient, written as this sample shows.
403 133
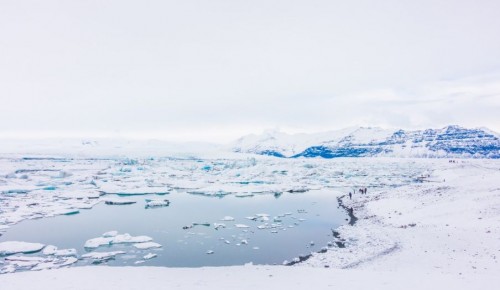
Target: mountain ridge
452 141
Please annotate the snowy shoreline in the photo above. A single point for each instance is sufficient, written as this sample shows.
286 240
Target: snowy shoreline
442 232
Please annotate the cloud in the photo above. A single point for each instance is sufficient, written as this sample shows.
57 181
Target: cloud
196 69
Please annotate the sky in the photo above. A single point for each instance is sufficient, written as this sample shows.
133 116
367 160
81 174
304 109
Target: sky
216 70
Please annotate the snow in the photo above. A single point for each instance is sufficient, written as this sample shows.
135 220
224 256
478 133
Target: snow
14 247
240 277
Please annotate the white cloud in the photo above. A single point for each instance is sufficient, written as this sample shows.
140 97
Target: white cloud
215 70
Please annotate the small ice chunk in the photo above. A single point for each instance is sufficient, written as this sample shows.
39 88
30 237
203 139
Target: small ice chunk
256 248
14 247
244 242
227 218
241 226
219 225
150 203
119 201
147 245
210 252
149 256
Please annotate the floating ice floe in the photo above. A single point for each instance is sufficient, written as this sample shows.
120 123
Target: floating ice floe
119 201
149 256
126 238
116 239
150 203
219 226
226 219
147 245
15 247
210 252
99 257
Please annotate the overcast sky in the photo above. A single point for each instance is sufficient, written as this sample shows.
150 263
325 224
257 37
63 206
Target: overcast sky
216 70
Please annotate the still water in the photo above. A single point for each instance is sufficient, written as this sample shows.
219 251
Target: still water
302 218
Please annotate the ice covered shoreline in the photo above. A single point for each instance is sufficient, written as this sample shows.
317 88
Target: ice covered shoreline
443 232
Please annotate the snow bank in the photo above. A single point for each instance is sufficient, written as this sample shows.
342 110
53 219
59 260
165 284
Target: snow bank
240 277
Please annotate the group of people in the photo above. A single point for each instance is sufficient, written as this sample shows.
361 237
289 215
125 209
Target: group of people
361 190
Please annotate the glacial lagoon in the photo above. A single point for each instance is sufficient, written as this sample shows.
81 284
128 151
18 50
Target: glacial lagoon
197 230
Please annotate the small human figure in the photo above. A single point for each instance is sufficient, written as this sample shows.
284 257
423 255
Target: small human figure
366 190
350 195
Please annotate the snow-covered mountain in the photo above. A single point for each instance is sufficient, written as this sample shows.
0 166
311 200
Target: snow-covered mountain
451 141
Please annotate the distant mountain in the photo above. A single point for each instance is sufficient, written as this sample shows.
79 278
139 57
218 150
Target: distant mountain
451 141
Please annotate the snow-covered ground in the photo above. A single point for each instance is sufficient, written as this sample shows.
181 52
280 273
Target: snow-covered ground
443 232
